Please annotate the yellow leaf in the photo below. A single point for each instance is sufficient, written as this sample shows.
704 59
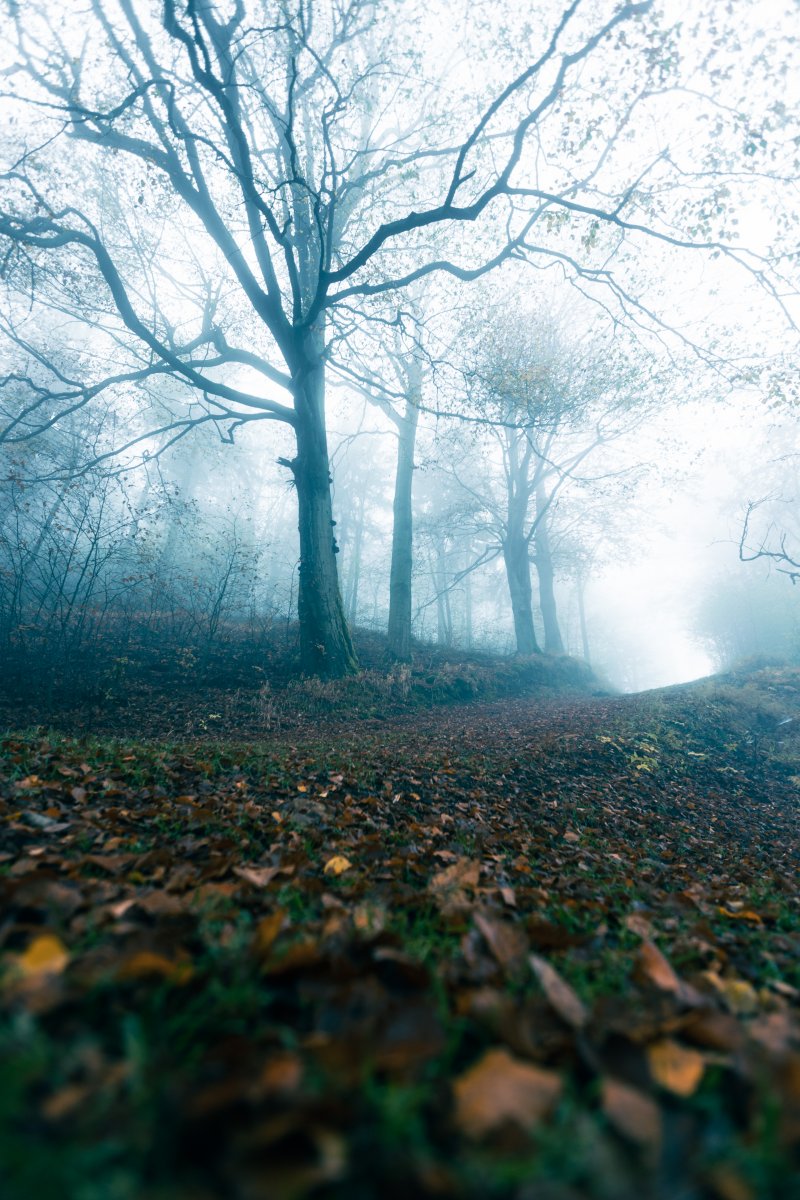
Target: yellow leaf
337 865
46 955
740 996
675 1067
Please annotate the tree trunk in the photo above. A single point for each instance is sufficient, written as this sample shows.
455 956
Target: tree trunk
399 630
553 643
444 615
468 607
518 573
582 618
325 645
354 574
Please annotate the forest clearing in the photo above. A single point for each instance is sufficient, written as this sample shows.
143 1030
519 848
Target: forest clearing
538 947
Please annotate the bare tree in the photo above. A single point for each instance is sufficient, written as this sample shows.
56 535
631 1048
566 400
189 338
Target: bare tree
772 544
547 405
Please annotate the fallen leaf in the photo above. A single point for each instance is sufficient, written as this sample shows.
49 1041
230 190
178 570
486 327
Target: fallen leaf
739 996
727 1184
632 1113
745 914
258 876
638 924
654 966
464 873
675 1067
280 1076
506 942
46 955
267 931
500 1090
337 865
562 998
147 963
63 1102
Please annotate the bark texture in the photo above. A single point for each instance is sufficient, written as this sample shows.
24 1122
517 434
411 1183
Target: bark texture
553 642
325 645
400 581
518 573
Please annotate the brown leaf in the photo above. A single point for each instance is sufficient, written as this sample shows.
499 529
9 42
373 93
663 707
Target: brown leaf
545 935
463 873
639 924
675 1067
654 966
161 904
147 963
632 1113
563 999
267 931
506 942
500 1090
728 1184
258 876
715 1030
745 914
280 1076
64 1102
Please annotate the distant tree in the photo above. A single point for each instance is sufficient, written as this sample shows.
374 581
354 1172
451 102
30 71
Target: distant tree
546 405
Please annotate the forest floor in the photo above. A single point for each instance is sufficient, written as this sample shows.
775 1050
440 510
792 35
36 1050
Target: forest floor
540 949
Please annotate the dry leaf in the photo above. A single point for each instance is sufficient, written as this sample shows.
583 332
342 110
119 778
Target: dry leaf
676 1068
506 942
267 931
464 873
638 924
656 969
258 876
727 1184
563 999
744 914
740 997
46 955
337 865
63 1103
146 963
281 1075
502 1090
632 1113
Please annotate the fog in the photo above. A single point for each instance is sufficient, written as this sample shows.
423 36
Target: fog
503 299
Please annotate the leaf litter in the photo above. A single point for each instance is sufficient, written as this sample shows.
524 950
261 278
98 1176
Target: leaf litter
487 957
